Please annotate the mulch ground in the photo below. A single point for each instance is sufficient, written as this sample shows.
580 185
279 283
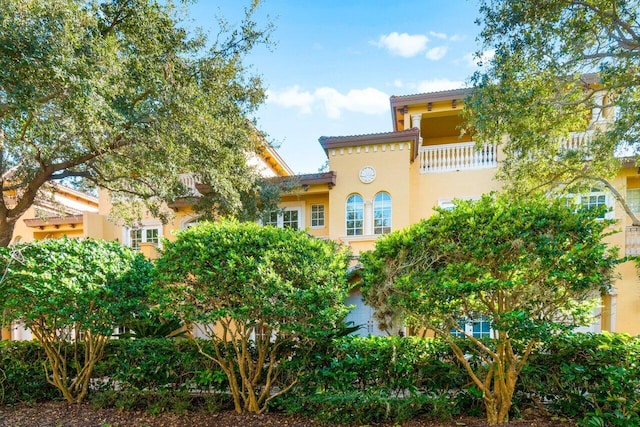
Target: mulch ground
62 414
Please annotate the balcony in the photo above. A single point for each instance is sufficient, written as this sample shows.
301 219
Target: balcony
189 180
632 241
577 141
457 157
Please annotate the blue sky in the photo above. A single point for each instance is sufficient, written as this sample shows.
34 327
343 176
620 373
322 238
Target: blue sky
336 63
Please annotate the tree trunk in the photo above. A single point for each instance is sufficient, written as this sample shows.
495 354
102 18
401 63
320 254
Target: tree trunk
6 231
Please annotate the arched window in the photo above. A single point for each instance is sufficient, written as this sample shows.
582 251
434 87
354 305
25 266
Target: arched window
355 215
382 213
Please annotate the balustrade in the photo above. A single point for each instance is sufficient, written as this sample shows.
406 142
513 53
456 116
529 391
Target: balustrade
455 157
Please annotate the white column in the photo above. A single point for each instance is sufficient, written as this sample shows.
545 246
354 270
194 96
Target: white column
368 218
415 123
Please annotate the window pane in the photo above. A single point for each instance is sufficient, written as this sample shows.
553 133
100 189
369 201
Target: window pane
382 213
290 219
481 328
152 236
355 215
270 218
593 200
135 238
633 199
317 215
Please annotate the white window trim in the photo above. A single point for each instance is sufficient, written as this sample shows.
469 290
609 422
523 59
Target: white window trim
608 201
634 209
146 225
366 220
189 221
373 213
324 216
468 329
290 206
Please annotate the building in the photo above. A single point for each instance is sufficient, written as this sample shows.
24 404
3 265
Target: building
376 183
386 181
61 211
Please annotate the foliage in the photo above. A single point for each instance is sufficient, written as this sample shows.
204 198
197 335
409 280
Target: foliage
261 294
392 366
149 324
69 290
591 377
385 378
528 267
158 364
540 86
22 378
595 377
117 94
359 407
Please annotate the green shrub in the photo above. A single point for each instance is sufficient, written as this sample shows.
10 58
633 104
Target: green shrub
159 364
22 374
393 366
593 377
358 407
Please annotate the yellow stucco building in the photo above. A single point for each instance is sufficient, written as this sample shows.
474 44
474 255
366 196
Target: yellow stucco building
376 183
386 181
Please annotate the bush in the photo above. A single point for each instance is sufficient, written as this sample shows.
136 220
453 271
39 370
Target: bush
22 375
591 377
595 377
384 378
393 366
159 364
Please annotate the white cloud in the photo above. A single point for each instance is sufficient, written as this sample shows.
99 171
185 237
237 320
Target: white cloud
437 85
291 97
404 44
456 38
438 35
398 83
475 61
436 53
367 101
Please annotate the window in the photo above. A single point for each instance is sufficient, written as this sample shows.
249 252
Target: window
633 199
136 236
382 213
121 332
594 199
290 219
477 328
287 218
270 218
355 215
481 328
317 216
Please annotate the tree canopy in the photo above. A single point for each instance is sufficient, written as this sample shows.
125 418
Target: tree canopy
559 67
526 268
72 290
260 294
120 95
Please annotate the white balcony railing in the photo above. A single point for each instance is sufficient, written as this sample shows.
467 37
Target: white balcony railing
189 180
632 241
456 157
577 140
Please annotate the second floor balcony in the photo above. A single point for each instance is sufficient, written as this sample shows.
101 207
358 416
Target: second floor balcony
457 157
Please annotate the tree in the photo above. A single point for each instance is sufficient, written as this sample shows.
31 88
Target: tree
528 268
72 291
116 94
559 67
260 294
